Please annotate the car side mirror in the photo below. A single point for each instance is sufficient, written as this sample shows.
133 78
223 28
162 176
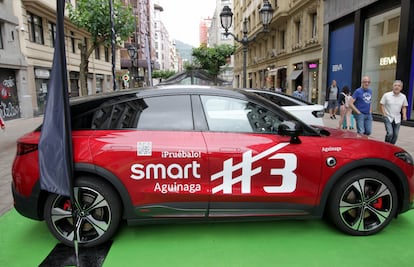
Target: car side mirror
292 129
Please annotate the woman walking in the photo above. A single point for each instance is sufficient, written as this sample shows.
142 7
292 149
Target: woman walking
344 109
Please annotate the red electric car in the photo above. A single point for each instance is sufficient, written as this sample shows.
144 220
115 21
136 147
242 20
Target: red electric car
192 153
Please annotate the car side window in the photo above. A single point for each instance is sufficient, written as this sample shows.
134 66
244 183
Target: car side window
278 100
167 113
225 114
116 115
152 113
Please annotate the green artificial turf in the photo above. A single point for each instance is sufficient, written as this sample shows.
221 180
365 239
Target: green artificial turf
312 243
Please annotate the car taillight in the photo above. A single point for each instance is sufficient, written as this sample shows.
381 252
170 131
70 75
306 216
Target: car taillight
23 148
318 113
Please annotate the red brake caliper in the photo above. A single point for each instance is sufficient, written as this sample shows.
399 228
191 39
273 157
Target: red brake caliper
378 204
66 205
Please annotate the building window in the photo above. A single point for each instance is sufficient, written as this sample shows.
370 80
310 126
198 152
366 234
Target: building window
314 25
72 42
297 28
52 33
282 39
1 35
380 53
97 53
35 28
106 49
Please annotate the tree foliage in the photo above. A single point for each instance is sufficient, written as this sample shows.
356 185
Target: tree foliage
94 17
163 74
212 59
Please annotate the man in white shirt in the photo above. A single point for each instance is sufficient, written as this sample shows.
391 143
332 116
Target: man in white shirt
392 105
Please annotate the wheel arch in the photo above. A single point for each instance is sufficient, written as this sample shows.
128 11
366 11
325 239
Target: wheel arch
113 180
392 171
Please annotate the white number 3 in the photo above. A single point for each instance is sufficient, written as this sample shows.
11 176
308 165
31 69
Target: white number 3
289 178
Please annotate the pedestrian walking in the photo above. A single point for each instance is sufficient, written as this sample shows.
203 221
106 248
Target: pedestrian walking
393 107
333 93
361 104
344 109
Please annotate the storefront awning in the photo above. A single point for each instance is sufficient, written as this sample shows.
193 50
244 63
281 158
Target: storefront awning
295 74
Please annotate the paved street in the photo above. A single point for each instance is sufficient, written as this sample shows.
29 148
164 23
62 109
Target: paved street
16 128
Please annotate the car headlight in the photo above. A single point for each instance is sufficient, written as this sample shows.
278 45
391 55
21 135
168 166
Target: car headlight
405 156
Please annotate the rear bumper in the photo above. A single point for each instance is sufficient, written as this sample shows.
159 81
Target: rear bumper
28 206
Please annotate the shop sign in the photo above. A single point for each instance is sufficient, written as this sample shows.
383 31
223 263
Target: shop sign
42 73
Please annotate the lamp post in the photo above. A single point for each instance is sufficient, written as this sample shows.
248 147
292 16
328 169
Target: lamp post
226 17
132 52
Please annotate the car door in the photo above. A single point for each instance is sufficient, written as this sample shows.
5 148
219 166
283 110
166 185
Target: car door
158 156
253 170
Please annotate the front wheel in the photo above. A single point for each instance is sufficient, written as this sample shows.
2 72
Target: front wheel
363 202
98 213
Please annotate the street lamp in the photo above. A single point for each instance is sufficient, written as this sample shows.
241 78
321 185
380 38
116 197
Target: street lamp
132 52
226 17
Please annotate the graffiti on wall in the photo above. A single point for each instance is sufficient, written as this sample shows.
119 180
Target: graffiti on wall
9 103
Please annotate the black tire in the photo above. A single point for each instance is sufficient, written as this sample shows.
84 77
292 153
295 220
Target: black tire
99 210
363 203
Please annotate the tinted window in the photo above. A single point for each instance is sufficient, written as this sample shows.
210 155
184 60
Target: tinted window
281 101
166 113
154 113
235 115
113 113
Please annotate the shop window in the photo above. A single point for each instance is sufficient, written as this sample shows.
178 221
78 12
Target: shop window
380 53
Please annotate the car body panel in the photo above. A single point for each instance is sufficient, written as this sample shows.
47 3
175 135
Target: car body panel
227 158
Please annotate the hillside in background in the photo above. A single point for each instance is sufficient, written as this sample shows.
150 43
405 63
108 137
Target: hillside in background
184 50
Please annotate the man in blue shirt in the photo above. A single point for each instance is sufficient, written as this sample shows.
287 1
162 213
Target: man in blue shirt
299 93
361 104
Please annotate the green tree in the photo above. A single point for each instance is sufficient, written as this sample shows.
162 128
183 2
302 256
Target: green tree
94 16
163 74
212 59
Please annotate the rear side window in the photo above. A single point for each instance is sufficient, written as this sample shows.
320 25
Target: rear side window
167 113
153 113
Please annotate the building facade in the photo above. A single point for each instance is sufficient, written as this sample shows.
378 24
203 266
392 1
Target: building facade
289 53
26 55
374 38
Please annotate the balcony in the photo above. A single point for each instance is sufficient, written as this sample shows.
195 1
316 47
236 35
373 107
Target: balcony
281 12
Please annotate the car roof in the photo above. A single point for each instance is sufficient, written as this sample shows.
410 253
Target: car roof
297 101
145 91
81 104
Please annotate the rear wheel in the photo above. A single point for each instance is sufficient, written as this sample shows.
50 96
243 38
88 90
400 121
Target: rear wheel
98 213
363 203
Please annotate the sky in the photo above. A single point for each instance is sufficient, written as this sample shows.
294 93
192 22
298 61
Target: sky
182 18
